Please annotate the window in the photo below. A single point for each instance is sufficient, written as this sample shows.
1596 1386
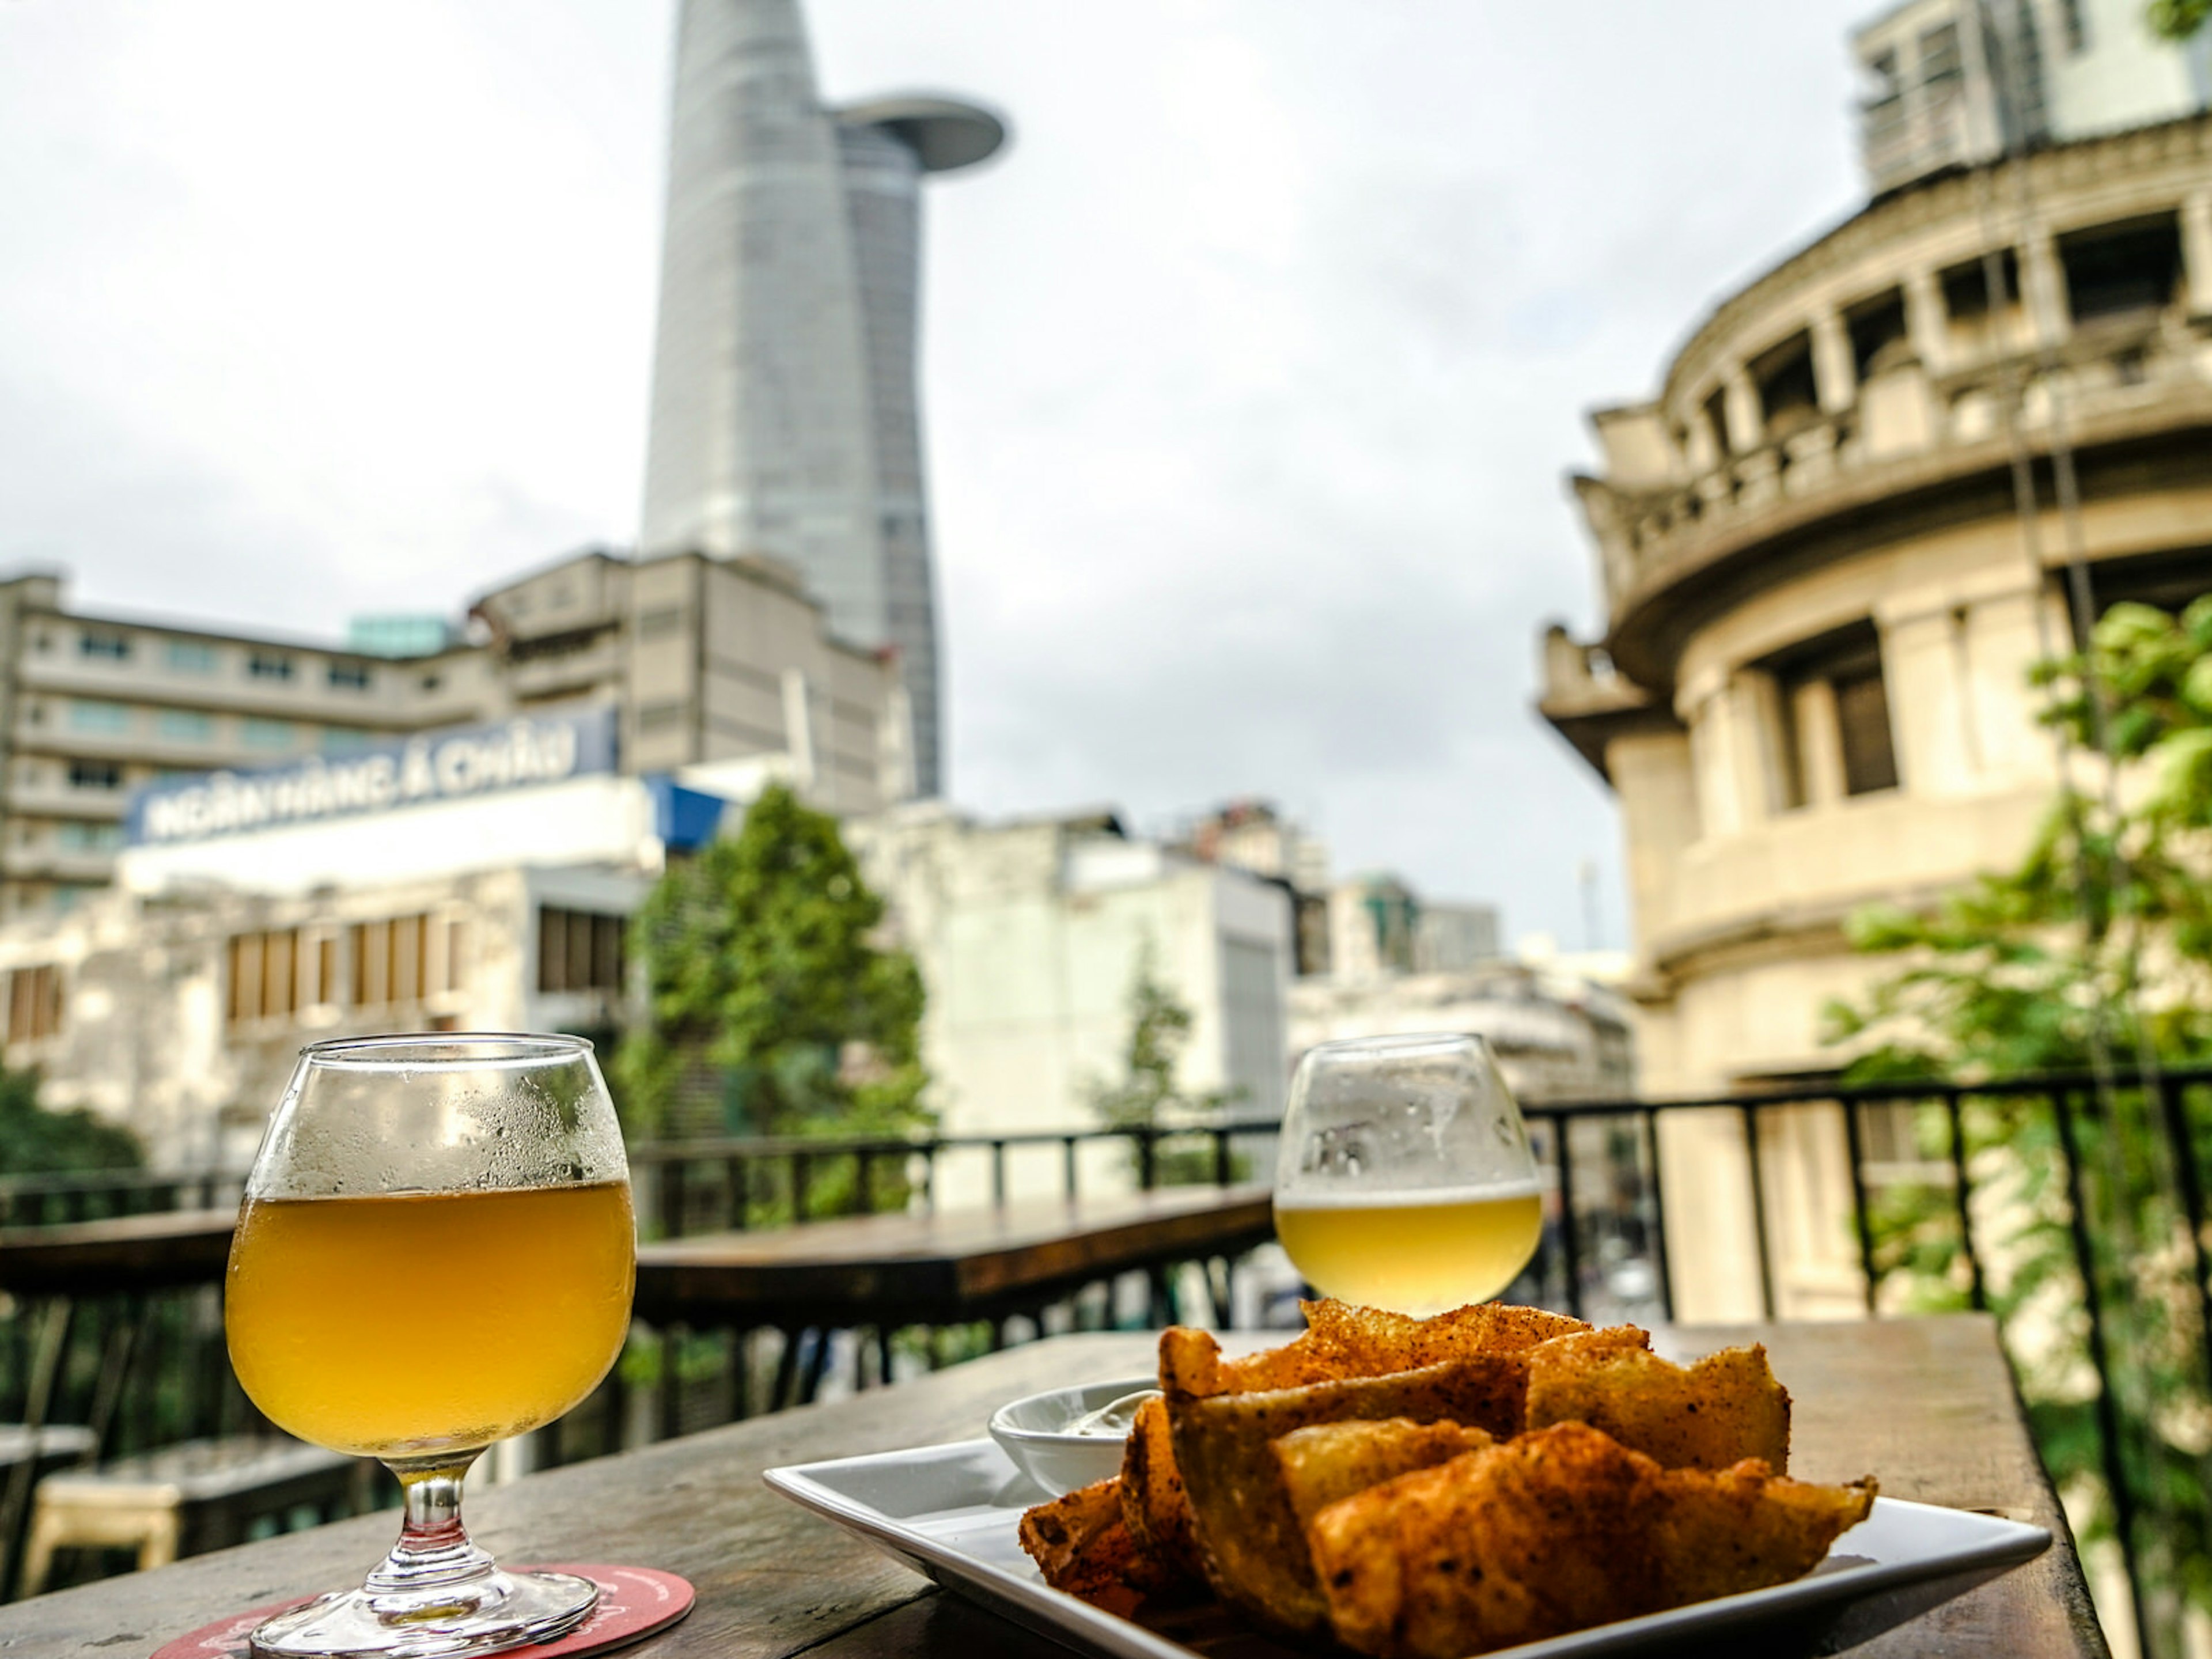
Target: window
2076 25
392 961
94 774
266 734
1834 717
184 726
103 648
106 717
431 682
2118 270
34 1004
188 657
77 836
349 676
268 666
345 739
1940 59
579 950
276 973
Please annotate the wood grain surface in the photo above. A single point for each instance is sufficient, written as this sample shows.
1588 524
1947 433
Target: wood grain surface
124 1255
1926 1404
937 1269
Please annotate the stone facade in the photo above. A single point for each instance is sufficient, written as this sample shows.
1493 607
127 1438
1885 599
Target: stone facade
1822 607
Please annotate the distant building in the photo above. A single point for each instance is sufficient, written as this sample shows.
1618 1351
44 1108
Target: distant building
1952 83
1252 835
723 663
478 879
1449 939
785 407
1556 1036
1030 937
1811 690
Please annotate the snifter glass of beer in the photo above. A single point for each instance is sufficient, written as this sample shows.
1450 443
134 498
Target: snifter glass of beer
436 1252
1406 1180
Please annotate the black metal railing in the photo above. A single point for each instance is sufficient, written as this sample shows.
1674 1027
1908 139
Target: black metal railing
1920 1185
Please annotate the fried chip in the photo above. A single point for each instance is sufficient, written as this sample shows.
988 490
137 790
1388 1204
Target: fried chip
1154 1505
1710 1415
1561 1529
1083 1546
1332 1460
1249 1542
1341 1340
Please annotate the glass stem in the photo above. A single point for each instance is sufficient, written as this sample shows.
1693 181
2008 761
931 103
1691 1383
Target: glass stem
433 1566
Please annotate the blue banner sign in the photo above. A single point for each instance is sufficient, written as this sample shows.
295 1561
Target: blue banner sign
456 765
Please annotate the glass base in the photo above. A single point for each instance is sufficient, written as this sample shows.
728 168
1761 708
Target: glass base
489 1613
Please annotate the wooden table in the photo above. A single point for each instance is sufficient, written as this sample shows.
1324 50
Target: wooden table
945 1268
123 1256
1926 1403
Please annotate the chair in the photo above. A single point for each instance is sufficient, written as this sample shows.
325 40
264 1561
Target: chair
184 1500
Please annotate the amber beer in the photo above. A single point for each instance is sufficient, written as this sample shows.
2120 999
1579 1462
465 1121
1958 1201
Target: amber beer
398 1324
1413 1252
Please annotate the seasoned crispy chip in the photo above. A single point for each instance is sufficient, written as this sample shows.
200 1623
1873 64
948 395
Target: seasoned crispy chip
1249 1541
1153 1503
1713 1414
1082 1546
1559 1530
1332 1460
1343 1341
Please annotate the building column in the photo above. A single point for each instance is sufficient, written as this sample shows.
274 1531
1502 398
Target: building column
1927 322
2196 250
2043 285
1747 422
1835 374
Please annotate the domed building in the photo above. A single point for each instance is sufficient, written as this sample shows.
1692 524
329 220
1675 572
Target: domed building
1824 595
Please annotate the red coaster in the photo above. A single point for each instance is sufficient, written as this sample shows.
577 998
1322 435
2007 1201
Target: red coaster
635 1602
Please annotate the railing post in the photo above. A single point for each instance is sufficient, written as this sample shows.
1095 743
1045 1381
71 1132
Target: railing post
1855 1143
1962 1194
1067 1166
999 1174
738 1173
1662 1273
2175 1124
2093 1304
1570 1242
671 1197
864 1183
802 1177
1148 1173
1222 1164
1759 1208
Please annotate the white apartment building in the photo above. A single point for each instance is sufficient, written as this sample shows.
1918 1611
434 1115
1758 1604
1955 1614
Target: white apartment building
715 663
1030 937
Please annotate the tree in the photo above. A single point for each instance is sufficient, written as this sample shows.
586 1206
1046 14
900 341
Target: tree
2178 19
36 1141
1148 1096
2094 954
769 989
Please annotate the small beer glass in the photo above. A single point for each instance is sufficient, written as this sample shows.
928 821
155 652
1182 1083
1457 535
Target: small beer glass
436 1251
1405 1180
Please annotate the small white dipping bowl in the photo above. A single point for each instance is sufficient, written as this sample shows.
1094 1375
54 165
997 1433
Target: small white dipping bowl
1033 1431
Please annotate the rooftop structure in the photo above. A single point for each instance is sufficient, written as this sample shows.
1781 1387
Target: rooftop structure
1952 83
785 417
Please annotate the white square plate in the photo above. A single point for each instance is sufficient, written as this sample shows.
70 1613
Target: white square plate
950 1513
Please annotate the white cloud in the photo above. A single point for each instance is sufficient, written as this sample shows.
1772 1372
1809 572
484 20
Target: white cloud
1252 370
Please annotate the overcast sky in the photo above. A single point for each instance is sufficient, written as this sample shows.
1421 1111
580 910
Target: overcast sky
1253 369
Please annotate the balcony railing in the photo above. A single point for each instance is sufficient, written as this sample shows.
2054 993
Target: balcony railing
1929 1214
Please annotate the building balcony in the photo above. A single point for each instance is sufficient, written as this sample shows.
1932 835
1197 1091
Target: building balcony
1910 438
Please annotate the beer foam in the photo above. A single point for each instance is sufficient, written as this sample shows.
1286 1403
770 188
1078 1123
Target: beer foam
1403 1198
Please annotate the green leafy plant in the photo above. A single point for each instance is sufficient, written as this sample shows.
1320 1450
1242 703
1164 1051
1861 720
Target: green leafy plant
36 1141
774 1006
2093 955
1148 1095
2178 20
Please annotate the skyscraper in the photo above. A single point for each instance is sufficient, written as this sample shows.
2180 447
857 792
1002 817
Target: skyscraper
785 414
